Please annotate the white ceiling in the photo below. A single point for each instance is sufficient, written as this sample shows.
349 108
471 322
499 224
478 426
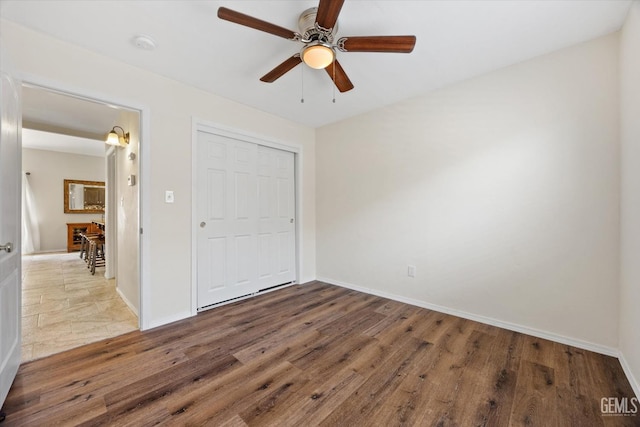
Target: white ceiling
45 108
39 140
58 122
456 40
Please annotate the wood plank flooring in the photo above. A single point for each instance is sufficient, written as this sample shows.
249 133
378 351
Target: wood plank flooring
317 354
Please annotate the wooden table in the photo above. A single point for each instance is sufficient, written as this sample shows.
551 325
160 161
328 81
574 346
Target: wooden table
75 228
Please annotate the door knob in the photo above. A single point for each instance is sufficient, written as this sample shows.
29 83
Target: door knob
203 224
8 247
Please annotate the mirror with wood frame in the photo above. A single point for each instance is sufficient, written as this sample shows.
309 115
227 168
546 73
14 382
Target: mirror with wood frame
83 196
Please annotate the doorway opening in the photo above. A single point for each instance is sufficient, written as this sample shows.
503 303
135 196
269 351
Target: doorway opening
65 304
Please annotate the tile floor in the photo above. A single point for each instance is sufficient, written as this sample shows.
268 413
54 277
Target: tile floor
64 306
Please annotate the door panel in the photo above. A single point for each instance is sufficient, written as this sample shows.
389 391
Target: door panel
217 263
284 208
217 186
242 196
265 242
285 240
10 262
243 258
276 173
227 231
263 197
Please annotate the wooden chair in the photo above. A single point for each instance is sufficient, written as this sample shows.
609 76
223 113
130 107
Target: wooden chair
84 245
96 253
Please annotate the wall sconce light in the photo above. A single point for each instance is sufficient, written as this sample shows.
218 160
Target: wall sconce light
114 138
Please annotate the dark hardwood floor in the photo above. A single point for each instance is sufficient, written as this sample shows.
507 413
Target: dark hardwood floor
319 355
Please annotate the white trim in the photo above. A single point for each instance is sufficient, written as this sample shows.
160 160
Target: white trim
144 219
169 319
299 214
194 216
198 124
49 251
110 216
635 384
144 173
585 345
242 135
126 301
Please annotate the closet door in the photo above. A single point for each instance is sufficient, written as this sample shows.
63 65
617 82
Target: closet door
228 227
246 218
276 217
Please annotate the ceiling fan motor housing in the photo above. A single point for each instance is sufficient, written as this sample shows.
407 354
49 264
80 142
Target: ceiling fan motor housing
310 31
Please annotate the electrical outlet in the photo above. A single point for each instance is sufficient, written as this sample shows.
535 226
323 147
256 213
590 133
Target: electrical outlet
411 271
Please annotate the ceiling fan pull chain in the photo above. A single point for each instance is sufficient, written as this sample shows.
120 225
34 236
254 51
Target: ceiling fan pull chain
302 85
334 81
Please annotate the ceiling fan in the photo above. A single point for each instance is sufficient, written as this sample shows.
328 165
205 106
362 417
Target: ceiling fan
318 27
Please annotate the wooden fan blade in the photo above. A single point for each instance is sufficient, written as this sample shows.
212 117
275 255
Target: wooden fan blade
342 82
328 11
396 44
255 23
281 69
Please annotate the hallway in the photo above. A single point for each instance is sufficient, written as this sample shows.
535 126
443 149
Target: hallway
64 306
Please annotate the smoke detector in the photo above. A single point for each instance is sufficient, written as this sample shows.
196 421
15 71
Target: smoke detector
144 42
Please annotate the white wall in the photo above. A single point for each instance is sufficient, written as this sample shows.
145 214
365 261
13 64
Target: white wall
127 221
172 106
630 208
48 170
502 190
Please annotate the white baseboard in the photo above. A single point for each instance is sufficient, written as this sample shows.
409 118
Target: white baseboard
126 301
50 251
585 345
166 320
635 385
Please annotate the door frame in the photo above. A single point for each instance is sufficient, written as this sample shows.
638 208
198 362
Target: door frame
197 125
144 156
111 217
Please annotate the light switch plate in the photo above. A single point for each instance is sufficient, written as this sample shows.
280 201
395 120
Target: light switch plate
168 196
411 271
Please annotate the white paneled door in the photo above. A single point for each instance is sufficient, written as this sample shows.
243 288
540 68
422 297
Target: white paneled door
10 262
245 209
276 211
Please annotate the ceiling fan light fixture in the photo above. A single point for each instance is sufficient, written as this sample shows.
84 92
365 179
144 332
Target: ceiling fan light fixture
318 55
